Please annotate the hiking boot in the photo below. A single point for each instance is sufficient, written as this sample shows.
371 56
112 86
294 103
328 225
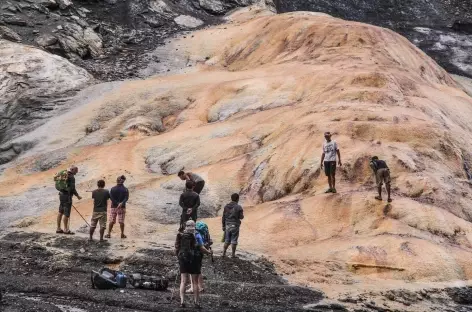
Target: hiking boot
328 191
197 306
333 190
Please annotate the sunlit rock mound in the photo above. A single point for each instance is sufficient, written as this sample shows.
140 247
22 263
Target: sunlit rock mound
249 117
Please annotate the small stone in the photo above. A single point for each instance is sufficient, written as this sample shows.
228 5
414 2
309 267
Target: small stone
82 250
9 34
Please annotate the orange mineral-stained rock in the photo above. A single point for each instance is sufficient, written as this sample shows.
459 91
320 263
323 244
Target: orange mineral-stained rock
249 117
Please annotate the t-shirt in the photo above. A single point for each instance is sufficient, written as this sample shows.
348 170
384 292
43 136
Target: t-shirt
100 200
199 239
330 148
119 194
378 164
195 177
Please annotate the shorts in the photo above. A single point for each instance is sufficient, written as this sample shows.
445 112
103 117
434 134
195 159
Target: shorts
232 234
382 175
114 212
199 187
330 168
194 267
99 217
65 204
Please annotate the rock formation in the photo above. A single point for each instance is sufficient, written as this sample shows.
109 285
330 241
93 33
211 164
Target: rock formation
441 28
248 113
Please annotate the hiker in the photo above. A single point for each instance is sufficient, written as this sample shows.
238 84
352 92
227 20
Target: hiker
195 178
232 216
65 184
189 201
100 203
202 230
382 174
119 196
188 245
328 161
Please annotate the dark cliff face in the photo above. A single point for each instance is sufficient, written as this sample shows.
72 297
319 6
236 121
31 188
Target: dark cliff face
441 28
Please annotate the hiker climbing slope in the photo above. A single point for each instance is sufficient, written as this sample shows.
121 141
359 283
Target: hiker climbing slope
119 195
195 178
65 184
328 161
232 215
100 203
189 201
382 174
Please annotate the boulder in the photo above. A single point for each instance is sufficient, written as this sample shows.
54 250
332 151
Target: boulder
75 40
32 80
213 6
8 34
64 4
50 4
46 40
188 21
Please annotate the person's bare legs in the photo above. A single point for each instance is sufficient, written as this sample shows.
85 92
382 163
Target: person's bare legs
333 181
183 282
110 228
200 282
389 199
196 289
66 224
233 250
224 249
122 228
59 219
330 183
102 232
92 229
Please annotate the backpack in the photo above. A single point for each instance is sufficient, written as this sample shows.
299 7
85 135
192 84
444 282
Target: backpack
187 247
60 180
138 280
202 228
108 279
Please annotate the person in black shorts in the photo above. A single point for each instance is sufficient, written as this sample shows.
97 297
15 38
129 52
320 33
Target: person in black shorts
189 249
328 161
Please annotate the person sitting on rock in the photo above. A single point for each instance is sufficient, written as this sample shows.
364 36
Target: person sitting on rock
328 161
382 174
100 203
119 195
195 178
65 201
189 201
232 215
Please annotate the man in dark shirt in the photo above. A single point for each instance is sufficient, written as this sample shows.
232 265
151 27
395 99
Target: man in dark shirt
100 203
189 201
65 201
232 216
382 174
119 196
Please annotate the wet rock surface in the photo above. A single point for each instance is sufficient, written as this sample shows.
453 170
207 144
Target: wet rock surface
41 272
108 38
441 28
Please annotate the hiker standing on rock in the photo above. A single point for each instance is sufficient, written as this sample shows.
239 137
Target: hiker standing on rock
65 184
382 174
188 245
328 161
100 203
232 216
189 201
119 196
195 178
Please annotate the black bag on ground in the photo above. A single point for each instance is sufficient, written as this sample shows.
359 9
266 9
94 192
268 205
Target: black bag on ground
108 279
141 281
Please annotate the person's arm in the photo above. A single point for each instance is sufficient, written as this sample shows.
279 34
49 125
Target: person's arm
181 201
339 156
241 213
126 197
223 219
205 251
113 199
322 160
177 244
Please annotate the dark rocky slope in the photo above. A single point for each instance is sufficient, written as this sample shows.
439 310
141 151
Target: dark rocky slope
441 28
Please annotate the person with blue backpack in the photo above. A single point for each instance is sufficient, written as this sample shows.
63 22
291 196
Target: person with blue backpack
202 236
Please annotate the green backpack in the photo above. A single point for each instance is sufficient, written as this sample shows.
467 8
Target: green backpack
61 180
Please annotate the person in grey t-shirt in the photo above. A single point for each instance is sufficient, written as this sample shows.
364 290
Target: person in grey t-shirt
195 178
328 161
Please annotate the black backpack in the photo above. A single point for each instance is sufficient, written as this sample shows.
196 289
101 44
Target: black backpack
187 247
108 279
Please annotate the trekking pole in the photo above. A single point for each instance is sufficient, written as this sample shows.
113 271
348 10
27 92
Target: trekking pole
81 216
